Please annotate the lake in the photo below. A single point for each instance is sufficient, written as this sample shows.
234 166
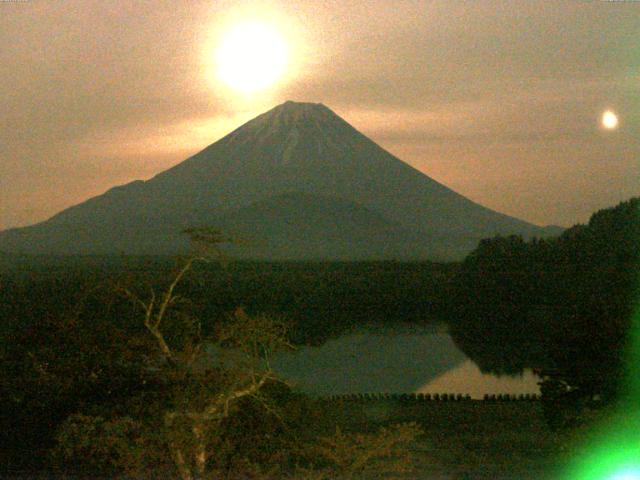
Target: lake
420 360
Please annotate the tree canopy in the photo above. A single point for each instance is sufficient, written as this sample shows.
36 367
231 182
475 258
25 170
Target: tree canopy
564 303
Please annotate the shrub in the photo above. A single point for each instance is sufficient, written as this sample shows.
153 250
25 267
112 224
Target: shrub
385 453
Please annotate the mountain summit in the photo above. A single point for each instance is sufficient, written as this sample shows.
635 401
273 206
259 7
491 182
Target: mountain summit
297 182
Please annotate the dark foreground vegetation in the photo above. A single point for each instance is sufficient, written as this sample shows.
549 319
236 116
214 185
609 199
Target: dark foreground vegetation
156 367
564 306
471 439
111 366
319 300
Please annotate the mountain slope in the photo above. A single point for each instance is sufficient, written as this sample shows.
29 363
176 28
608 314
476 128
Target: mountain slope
294 149
307 226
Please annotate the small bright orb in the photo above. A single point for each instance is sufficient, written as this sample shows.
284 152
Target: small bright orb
609 120
252 56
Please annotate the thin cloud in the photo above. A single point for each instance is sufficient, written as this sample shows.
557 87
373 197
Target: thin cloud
90 86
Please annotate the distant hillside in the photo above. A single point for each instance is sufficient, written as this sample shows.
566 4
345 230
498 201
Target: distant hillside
299 182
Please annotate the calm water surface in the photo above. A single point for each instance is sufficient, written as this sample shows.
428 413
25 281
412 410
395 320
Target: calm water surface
424 361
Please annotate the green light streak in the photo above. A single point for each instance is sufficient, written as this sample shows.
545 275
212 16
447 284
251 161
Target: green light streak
613 453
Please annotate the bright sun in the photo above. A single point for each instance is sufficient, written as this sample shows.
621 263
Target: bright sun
609 120
252 56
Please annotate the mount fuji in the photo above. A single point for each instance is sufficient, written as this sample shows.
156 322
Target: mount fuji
297 182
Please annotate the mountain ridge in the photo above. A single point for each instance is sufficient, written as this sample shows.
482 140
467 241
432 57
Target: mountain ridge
294 148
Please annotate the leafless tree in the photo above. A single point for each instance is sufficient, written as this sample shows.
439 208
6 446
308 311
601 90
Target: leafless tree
211 373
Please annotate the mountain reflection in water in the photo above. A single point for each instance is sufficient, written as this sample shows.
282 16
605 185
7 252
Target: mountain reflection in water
424 361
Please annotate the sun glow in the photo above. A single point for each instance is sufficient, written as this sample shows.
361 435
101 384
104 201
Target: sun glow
251 56
609 120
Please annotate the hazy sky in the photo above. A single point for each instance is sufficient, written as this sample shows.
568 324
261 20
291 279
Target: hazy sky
499 100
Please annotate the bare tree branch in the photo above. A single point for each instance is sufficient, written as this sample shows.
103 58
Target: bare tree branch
244 344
